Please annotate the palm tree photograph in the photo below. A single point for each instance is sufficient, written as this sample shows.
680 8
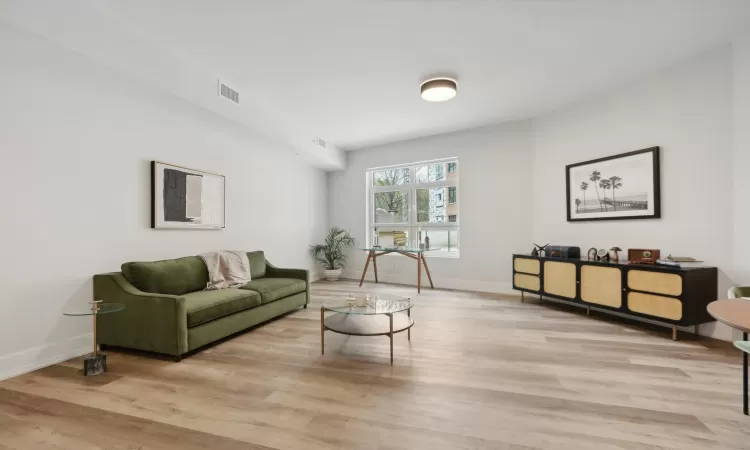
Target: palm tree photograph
625 186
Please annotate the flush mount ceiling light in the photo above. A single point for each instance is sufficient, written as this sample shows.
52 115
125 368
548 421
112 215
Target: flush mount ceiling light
439 89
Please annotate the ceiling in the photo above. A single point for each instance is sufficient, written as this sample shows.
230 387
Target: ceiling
350 70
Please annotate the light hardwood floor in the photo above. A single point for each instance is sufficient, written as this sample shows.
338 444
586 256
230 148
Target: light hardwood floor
481 372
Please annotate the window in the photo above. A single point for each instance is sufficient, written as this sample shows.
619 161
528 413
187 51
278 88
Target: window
414 206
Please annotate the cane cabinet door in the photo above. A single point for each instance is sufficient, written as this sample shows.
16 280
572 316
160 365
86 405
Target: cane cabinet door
526 274
658 294
560 278
601 285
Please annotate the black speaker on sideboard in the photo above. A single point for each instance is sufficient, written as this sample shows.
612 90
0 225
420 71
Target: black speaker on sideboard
563 251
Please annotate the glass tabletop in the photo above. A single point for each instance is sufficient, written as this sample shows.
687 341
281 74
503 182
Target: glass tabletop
368 304
395 249
104 308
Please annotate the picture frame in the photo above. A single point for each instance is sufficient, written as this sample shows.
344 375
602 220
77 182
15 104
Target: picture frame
619 187
183 198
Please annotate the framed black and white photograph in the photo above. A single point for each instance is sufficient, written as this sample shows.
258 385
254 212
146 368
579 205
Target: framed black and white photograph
624 186
186 198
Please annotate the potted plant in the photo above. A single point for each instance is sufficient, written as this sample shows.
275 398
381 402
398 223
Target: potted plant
332 254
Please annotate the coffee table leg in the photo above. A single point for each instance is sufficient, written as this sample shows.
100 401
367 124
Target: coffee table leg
744 378
408 332
322 334
390 316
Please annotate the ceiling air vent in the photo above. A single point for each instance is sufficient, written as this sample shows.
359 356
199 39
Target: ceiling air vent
231 94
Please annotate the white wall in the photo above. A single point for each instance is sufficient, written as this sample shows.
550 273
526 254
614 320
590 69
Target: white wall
513 177
741 163
495 192
687 111
76 138
94 30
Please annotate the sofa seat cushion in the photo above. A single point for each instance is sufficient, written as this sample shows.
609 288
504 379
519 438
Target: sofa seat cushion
275 288
205 306
172 276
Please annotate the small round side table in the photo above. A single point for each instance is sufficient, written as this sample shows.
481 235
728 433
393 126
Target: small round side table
735 313
96 363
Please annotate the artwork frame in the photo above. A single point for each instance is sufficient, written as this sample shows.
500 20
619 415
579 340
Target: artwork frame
641 198
185 198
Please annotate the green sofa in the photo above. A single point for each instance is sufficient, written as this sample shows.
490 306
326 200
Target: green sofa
168 311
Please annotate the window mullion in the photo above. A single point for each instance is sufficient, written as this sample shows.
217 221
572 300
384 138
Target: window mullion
413 210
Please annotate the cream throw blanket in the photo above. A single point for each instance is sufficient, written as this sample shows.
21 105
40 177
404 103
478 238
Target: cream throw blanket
226 269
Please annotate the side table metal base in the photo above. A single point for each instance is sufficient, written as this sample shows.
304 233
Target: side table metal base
94 364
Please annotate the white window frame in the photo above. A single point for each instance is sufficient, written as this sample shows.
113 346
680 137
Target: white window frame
411 225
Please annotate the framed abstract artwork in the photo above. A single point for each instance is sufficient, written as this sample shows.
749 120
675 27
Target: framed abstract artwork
624 186
186 198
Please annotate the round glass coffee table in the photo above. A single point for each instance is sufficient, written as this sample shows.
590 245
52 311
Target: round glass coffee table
95 363
367 315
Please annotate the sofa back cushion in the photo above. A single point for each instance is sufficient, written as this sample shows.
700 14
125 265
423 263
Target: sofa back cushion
171 276
257 264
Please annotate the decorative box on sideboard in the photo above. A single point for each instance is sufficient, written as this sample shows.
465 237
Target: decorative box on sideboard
668 296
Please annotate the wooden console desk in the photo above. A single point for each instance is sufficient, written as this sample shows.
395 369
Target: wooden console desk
418 254
667 296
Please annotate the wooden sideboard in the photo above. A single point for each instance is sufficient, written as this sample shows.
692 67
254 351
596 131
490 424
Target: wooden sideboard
668 296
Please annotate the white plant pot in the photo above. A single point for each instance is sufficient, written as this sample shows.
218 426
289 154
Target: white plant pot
332 275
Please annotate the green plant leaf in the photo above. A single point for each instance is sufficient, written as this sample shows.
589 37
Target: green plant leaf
332 253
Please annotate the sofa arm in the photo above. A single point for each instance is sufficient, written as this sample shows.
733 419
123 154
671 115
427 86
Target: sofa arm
299 274
739 291
151 322
277 272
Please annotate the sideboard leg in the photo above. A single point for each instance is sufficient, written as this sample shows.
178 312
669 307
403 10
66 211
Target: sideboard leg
674 333
522 296
588 310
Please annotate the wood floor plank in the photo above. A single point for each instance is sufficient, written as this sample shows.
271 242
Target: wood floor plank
482 371
31 421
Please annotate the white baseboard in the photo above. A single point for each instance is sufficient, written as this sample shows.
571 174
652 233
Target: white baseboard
459 284
718 330
45 355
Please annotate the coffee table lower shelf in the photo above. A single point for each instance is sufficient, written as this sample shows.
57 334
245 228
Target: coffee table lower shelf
366 325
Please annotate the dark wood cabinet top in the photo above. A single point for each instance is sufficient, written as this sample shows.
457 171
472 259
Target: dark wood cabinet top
620 263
